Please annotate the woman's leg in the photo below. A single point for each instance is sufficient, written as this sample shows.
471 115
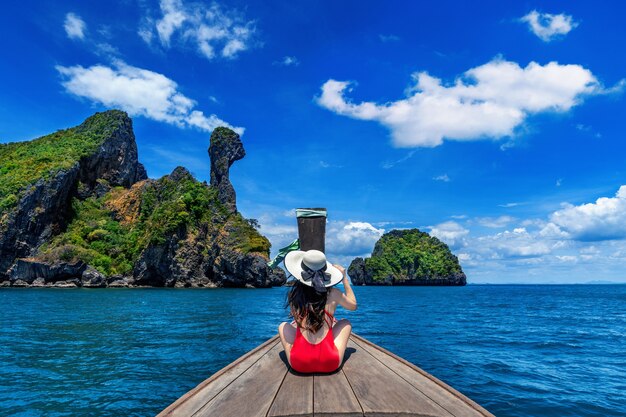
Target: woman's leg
341 334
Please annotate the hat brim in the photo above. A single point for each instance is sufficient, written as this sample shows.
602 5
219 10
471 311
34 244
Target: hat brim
293 263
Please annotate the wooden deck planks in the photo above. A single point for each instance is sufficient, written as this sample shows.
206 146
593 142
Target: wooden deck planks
382 392
295 397
333 396
195 399
372 382
448 398
253 392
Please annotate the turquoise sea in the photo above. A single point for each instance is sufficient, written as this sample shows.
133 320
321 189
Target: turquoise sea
518 350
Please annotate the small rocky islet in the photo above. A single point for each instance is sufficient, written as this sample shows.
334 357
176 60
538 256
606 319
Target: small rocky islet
77 210
408 257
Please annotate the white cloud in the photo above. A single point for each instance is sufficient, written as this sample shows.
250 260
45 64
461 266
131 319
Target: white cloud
139 92
488 101
602 220
589 129
173 18
583 128
518 243
451 233
552 231
351 238
443 178
464 257
74 26
106 50
549 26
556 248
388 38
213 31
495 222
577 243
325 164
288 61
567 258
391 164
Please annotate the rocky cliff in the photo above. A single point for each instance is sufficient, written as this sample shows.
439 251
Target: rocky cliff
77 209
408 257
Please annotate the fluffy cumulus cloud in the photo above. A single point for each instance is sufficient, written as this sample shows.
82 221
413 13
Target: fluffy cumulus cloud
451 233
514 244
488 101
139 92
74 26
351 238
212 31
577 243
603 220
548 26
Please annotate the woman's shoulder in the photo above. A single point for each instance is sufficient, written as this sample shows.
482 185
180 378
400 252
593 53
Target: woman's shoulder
332 294
333 297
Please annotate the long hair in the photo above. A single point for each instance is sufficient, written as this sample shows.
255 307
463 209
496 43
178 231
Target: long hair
306 306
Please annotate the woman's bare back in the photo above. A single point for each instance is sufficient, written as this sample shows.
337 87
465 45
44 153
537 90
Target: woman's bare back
341 329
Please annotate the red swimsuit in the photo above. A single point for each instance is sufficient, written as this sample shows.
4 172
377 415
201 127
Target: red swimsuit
320 357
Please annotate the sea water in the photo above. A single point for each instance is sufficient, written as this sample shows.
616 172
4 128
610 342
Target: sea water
527 350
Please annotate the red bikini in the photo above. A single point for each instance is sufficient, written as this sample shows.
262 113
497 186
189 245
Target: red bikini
320 357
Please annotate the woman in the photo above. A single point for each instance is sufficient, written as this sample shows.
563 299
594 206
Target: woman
315 341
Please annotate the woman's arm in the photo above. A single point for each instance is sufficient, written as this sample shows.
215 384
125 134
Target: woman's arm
347 300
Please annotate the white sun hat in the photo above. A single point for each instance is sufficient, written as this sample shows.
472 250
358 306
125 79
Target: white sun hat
307 266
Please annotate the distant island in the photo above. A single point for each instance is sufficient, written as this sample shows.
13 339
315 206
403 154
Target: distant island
408 257
77 210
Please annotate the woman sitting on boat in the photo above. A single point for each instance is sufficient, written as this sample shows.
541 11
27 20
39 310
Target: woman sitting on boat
315 341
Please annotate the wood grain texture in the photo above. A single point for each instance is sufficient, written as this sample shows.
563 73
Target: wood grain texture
295 397
334 396
381 391
253 392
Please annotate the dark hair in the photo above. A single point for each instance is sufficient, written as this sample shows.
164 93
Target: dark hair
306 306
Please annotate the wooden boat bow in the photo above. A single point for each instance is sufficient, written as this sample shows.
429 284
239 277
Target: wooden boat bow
371 382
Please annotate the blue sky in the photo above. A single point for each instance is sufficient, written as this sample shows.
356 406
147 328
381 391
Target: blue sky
497 128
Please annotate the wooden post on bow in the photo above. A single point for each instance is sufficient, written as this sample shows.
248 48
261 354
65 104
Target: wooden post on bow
312 228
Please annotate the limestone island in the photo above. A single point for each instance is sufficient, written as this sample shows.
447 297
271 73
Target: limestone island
408 257
78 210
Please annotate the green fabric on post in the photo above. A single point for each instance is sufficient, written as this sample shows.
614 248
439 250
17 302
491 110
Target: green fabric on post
282 252
310 213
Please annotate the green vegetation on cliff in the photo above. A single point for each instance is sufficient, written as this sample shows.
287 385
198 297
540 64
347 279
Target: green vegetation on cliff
411 254
77 208
110 232
23 163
